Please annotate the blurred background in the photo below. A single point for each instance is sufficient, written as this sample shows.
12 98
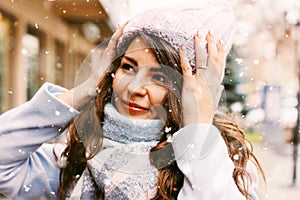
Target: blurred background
48 40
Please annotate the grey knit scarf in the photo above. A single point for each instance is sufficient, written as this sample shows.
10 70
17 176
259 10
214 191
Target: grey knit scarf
126 130
122 170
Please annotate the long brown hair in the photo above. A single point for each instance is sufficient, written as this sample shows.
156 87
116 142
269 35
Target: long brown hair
85 132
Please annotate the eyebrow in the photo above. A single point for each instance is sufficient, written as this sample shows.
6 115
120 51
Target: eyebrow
154 69
132 60
158 69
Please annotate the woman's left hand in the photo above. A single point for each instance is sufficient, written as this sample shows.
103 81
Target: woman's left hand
202 90
78 96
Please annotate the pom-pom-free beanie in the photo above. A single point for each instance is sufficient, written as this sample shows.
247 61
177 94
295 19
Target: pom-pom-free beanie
178 25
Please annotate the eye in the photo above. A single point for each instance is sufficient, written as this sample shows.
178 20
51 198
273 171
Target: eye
160 78
128 67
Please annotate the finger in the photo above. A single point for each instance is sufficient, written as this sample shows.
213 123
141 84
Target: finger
220 47
200 53
212 73
110 51
216 55
118 33
211 46
185 65
222 57
218 96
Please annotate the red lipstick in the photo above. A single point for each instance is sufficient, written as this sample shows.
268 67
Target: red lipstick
135 109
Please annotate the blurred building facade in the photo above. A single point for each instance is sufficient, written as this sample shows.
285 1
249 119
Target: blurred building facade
45 40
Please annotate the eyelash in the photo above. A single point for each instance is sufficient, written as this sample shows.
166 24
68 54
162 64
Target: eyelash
128 67
161 79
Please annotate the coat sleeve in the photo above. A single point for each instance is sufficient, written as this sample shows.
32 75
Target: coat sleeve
27 165
202 156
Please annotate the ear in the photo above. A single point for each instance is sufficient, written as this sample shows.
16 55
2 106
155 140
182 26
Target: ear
218 96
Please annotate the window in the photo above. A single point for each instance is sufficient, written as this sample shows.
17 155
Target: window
60 63
5 28
30 50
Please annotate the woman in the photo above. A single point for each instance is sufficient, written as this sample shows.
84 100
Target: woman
144 130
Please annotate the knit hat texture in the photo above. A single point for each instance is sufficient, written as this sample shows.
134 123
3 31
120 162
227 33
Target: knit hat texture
178 25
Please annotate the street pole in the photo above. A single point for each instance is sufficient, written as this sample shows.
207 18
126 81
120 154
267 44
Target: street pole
297 128
296 142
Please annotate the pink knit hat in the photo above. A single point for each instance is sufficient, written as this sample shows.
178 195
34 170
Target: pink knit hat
178 25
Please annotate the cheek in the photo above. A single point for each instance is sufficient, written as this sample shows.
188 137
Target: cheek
159 94
118 84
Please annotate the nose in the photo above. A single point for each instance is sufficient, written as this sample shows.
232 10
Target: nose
138 86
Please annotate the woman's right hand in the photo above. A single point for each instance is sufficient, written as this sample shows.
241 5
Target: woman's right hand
82 93
202 91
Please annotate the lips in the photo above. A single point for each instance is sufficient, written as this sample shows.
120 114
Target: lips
134 108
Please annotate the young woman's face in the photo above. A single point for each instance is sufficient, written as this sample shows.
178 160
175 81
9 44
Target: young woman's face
139 84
